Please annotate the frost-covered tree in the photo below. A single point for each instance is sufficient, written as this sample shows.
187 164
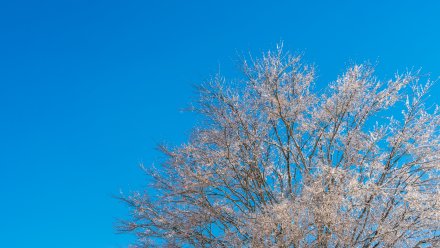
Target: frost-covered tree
277 163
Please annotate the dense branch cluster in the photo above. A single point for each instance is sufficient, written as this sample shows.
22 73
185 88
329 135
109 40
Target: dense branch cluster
279 164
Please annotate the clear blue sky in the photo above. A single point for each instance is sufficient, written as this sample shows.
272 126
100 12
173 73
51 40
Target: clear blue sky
87 88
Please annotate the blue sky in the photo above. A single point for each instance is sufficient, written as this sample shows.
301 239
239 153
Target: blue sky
88 88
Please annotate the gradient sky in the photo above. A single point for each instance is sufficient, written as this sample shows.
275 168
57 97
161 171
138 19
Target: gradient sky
88 88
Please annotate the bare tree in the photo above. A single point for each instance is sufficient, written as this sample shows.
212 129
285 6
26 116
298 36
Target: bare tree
279 164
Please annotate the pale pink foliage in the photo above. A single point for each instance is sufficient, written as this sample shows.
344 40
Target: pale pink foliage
278 164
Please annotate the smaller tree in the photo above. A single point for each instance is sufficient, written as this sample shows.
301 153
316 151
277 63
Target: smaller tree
279 164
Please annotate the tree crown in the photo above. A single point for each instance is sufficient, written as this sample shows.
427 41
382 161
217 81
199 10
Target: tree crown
278 163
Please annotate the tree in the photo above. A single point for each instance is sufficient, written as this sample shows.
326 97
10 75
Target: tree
277 163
